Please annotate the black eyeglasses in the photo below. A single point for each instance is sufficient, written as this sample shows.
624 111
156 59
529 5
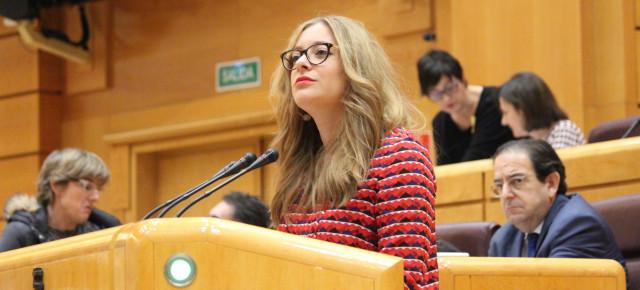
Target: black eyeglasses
316 54
447 90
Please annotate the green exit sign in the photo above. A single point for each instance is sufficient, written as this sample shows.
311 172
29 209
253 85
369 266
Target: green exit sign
238 74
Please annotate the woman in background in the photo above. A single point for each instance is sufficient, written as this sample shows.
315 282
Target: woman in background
468 125
69 185
530 110
351 173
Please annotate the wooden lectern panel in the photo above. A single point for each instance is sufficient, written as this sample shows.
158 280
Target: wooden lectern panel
478 273
227 254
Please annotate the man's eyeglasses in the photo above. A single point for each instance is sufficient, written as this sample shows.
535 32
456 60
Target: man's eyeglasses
88 185
514 183
447 90
316 54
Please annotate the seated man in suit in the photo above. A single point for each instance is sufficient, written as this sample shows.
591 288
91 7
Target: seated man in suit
544 221
242 207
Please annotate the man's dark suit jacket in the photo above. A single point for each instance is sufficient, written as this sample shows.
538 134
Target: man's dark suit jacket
571 229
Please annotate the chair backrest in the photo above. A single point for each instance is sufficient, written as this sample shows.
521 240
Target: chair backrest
614 130
471 237
623 215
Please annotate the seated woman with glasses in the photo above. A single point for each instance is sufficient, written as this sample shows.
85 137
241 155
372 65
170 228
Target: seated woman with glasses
530 110
350 172
468 124
69 185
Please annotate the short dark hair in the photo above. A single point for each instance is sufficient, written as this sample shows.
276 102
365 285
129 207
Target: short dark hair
544 158
248 209
434 65
529 94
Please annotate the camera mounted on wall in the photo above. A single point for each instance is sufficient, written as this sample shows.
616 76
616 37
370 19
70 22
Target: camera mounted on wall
26 13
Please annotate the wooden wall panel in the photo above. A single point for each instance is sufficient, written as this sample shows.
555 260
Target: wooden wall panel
583 49
96 75
116 198
31 124
494 212
610 191
637 4
461 183
459 213
87 133
404 16
19 124
618 157
19 174
512 36
23 61
144 186
609 60
163 64
49 122
30 70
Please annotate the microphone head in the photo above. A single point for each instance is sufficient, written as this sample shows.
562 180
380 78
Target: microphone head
242 163
267 157
247 159
270 155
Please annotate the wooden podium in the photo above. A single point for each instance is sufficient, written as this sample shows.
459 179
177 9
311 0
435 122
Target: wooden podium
231 255
491 273
226 255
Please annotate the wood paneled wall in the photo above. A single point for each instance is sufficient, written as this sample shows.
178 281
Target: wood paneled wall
153 71
30 113
583 49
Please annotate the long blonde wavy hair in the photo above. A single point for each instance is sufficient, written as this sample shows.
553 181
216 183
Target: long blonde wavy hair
313 175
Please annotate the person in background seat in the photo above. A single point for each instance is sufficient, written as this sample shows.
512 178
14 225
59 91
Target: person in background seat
543 220
70 183
530 110
242 207
468 124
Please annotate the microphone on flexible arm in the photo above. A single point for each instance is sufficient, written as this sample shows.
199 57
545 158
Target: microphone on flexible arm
231 168
269 156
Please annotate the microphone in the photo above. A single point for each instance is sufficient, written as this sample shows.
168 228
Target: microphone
231 168
269 156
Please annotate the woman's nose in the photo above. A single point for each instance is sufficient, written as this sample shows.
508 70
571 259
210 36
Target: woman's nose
302 62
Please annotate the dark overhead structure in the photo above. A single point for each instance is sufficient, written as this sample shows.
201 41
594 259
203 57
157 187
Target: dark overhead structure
26 12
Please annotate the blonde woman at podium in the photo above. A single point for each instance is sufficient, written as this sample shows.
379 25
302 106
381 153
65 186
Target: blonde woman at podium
351 171
69 185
